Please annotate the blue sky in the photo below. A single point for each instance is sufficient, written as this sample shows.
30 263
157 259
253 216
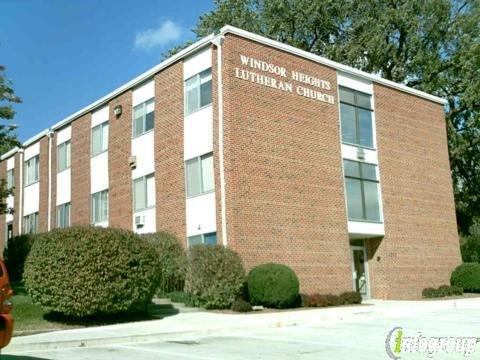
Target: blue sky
64 54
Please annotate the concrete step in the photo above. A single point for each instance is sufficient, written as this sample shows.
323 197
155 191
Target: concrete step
163 305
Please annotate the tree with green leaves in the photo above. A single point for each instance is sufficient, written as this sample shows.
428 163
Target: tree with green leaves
8 138
432 46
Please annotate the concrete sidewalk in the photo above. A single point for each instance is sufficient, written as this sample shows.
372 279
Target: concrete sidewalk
209 323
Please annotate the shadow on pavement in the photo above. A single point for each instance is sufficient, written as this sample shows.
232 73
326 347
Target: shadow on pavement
20 357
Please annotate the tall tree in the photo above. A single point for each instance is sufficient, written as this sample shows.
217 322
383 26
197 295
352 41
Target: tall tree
8 138
432 46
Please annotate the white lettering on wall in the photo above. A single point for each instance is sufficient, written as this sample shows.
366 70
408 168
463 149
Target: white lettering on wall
283 84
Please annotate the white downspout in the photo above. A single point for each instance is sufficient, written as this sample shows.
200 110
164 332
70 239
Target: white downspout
49 214
20 202
218 41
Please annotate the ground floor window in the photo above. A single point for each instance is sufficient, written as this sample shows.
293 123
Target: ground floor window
30 223
207 239
100 207
144 192
63 215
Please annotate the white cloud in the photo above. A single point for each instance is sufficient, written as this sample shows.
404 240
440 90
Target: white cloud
167 33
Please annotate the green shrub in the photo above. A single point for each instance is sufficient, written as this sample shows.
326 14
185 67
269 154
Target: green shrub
470 249
273 285
350 298
15 255
215 274
84 271
333 300
467 276
172 261
184 298
240 305
442 291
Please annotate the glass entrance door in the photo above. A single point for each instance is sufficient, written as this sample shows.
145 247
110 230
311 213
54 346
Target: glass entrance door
360 277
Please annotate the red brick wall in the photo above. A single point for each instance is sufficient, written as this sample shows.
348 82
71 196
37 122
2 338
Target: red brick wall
16 199
169 168
80 170
119 171
43 204
421 246
284 183
53 211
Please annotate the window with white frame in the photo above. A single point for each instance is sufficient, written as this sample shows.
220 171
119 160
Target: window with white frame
30 223
10 179
32 170
199 174
361 184
100 207
64 151
356 118
144 192
143 117
99 139
63 215
198 91
202 239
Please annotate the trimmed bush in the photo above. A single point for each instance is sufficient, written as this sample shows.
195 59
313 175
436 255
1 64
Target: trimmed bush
15 255
172 261
470 249
350 298
240 305
85 271
333 300
315 300
467 276
215 274
273 285
442 291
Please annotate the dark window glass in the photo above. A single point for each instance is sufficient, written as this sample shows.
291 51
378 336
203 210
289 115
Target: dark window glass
364 100
365 127
347 95
354 198
352 168
210 239
349 124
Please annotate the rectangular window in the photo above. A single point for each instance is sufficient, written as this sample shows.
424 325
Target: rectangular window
32 170
10 179
100 207
198 91
64 156
361 185
63 215
30 223
206 239
356 118
143 117
99 139
144 192
199 174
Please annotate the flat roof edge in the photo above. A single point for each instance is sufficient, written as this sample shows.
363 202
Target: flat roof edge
9 153
319 59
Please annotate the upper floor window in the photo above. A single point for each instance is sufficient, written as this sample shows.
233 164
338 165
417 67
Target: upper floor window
99 139
356 118
64 156
361 183
100 207
143 117
10 179
144 192
32 170
63 215
30 223
198 91
200 175
206 239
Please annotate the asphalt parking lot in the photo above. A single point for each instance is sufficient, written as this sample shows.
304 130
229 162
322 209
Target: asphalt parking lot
354 339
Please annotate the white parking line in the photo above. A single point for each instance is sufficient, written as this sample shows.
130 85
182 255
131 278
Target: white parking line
158 351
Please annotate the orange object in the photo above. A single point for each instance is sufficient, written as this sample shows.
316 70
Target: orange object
6 318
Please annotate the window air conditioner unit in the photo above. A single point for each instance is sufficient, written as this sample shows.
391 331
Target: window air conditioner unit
132 161
139 221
